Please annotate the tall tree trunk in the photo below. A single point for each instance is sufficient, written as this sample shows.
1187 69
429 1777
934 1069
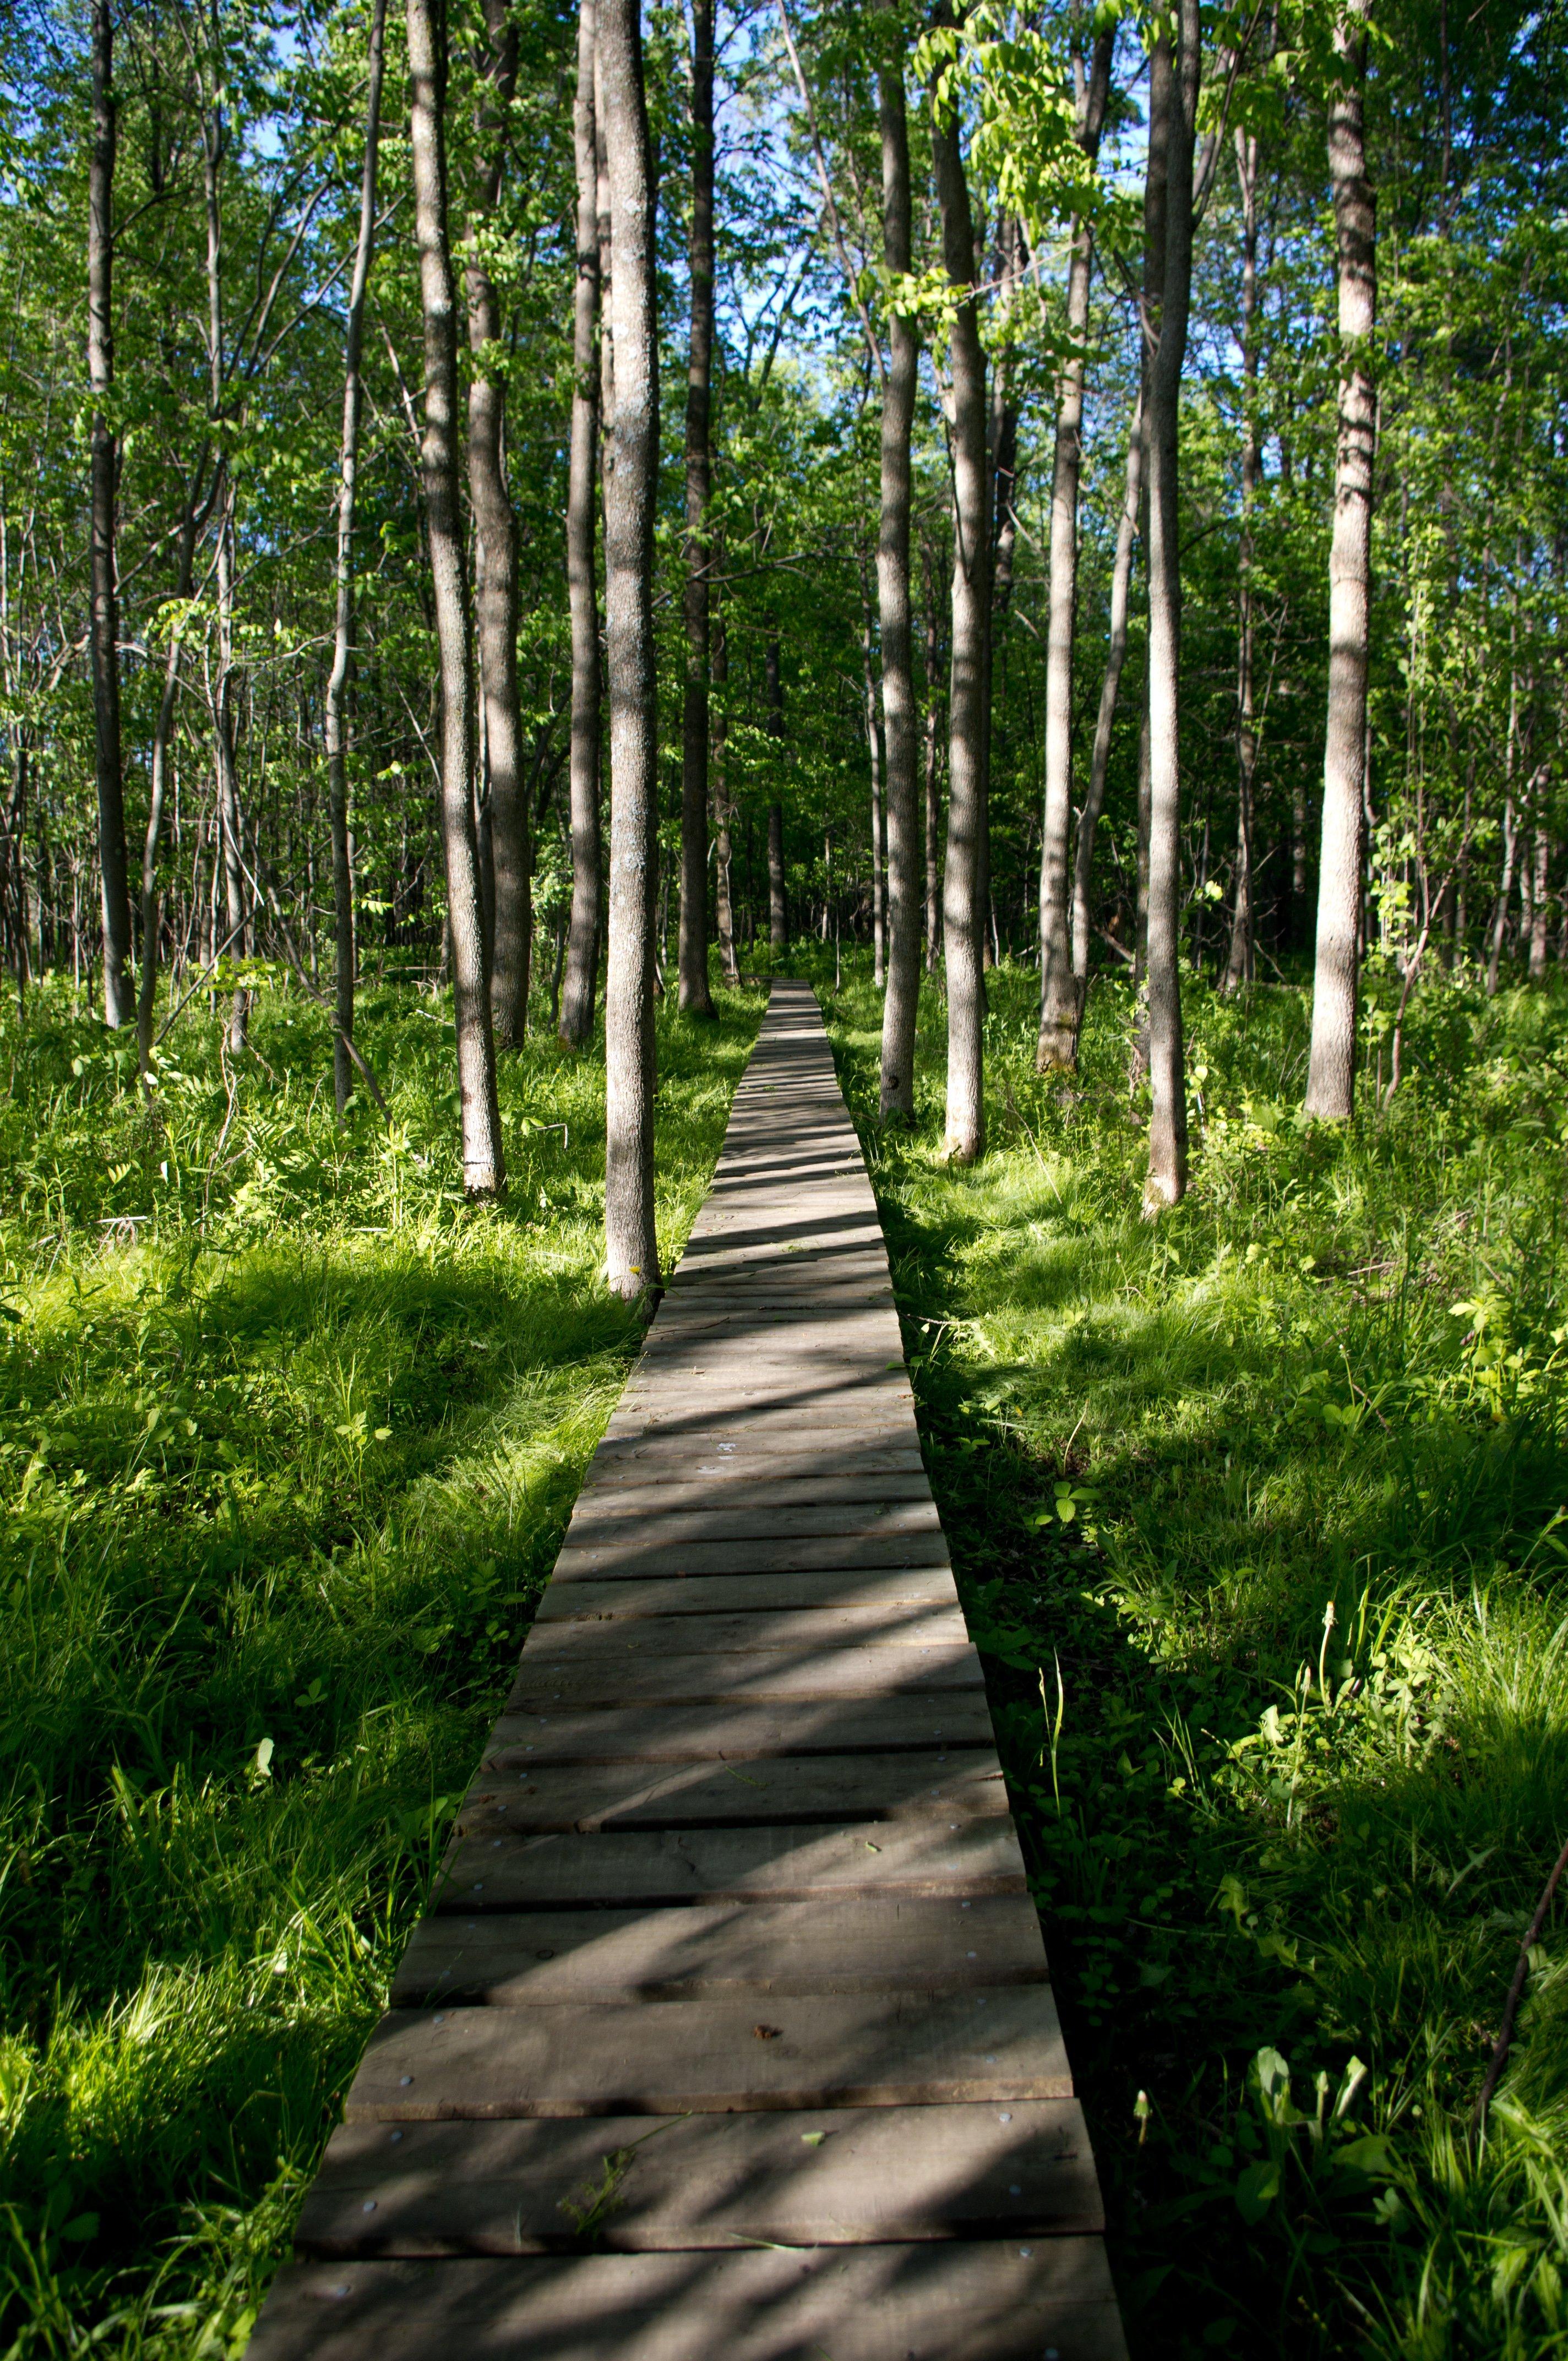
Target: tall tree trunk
1060 990
1110 690
483 1169
236 936
723 816
1540 908
495 550
933 750
694 994
778 907
1504 895
1239 965
344 956
1151 299
105 609
162 742
1010 259
1330 1078
901 1006
873 751
631 1251
1167 1180
577 1015
964 880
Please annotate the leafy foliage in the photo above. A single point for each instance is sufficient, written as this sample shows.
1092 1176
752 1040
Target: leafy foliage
1259 1517
288 1440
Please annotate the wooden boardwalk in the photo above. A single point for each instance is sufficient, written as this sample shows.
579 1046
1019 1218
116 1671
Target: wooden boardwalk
729 2034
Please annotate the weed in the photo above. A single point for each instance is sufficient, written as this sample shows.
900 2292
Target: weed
1257 1512
288 1436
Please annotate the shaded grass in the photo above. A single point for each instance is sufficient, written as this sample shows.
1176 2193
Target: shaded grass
1257 1511
288 1439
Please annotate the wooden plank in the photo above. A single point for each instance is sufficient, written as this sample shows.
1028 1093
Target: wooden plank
793 1427
975 2300
833 1390
813 1675
620 1867
738 1732
792 1446
829 1788
734 1518
900 1624
712 1485
631 1460
801 1553
851 1943
722 1593
826 2176
712 2056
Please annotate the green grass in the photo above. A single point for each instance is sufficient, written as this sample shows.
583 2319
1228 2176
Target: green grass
1257 1510
288 1440
288 1437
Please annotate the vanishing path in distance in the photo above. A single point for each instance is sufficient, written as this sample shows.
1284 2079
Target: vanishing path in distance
728 2034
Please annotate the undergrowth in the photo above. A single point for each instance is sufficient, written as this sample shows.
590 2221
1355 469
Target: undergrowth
1259 1512
288 1436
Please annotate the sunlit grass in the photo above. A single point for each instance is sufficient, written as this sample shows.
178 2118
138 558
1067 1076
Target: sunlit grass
1255 1508
288 1439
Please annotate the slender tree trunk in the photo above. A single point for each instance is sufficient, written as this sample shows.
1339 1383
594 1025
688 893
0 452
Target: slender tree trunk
778 907
933 750
162 742
1504 895
901 1006
106 607
1167 1180
1010 259
631 1251
1109 689
1239 965
1152 297
873 752
577 1015
510 934
483 1169
964 882
1540 906
1330 1079
1060 994
344 958
694 995
237 934
724 855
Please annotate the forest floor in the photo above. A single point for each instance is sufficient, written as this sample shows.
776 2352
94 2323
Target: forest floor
1260 1511
288 1436
288 1439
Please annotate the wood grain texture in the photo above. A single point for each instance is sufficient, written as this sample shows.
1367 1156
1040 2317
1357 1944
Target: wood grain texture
964 1856
712 2056
820 2177
980 2300
815 1674
824 1788
585 1598
738 1730
844 1943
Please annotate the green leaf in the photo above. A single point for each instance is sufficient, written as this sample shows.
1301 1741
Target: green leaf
1257 2189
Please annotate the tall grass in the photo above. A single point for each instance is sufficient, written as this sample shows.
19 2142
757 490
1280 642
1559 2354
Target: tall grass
1260 1512
288 1439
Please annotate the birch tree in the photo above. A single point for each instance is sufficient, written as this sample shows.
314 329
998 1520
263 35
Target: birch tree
484 1169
